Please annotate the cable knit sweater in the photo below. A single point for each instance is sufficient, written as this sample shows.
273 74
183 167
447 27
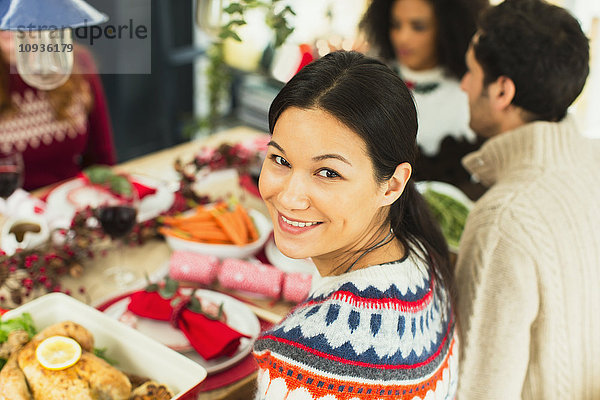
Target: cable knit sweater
383 332
528 271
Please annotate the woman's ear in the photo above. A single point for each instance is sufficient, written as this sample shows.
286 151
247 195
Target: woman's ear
396 184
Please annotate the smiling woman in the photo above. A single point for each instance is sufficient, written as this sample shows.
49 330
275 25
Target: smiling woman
337 183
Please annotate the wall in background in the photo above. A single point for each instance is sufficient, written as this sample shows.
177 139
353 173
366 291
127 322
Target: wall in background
149 110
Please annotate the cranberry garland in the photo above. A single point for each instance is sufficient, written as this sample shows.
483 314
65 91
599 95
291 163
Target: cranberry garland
30 273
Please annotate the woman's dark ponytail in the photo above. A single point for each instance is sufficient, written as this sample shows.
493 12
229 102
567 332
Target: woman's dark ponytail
415 227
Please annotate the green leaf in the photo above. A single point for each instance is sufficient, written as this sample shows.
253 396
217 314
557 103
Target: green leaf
234 8
175 302
150 287
153 287
170 288
195 305
227 33
120 185
235 22
2 363
101 353
289 9
98 174
23 322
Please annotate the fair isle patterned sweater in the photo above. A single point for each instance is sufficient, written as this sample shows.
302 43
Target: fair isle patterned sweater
54 150
382 332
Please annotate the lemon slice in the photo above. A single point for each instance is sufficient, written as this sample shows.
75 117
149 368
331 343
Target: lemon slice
58 352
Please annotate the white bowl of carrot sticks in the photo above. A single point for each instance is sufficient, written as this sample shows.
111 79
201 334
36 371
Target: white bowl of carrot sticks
220 230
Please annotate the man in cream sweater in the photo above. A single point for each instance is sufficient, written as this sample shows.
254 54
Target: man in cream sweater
528 270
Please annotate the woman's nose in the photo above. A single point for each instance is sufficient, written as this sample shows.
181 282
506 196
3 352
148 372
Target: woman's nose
293 194
401 35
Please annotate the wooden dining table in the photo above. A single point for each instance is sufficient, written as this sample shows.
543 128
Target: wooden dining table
152 257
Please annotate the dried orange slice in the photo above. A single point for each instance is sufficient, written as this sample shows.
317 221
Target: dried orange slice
58 352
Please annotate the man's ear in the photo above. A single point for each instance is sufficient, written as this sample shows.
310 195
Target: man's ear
396 184
502 92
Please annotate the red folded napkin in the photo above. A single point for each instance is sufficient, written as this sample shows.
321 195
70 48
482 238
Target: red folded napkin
141 189
150 305
210 338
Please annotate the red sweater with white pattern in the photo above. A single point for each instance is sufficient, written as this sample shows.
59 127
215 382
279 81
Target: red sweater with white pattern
55 150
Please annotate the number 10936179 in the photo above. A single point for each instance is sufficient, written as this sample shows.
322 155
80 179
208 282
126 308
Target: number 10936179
46 48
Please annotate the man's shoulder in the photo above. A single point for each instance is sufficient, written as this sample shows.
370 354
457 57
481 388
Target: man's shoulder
507 215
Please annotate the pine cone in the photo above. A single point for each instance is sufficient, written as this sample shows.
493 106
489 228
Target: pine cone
76 270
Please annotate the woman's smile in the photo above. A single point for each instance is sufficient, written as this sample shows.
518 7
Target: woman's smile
295 226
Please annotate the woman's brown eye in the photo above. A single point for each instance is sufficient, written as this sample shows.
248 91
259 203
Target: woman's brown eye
328 173
280 160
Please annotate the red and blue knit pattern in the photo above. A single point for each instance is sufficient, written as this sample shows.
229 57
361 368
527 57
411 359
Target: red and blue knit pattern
368 337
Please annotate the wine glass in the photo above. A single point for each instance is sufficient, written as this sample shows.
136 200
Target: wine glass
11 174
118 216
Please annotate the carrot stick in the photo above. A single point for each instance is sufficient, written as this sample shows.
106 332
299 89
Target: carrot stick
225 222
210 235
194 217
196 225
202 236
175 233
241 227
251 229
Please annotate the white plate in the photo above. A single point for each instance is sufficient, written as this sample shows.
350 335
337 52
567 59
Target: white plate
59 206
447 189
239 317
286 264
135 352
263 225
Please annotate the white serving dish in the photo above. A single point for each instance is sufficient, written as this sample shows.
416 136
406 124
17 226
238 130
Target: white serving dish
134 352
263 225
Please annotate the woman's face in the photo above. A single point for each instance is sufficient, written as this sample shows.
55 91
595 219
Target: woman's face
413 32
318 184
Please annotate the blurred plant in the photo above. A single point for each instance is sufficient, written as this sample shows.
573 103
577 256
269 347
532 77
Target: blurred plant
218 73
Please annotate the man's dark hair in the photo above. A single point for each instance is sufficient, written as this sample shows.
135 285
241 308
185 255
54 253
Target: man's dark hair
456 24
542 48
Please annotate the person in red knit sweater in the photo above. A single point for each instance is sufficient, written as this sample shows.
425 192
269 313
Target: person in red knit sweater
58 132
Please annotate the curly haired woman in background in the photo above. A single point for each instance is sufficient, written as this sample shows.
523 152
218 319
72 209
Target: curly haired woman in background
425 41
